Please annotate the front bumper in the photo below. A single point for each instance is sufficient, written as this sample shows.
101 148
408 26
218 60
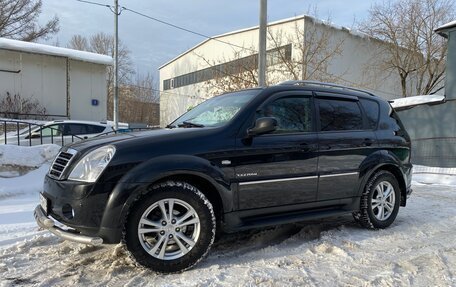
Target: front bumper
47 223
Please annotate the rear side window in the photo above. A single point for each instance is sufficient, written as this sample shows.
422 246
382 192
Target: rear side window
372 111
93 129
339 115
293 114
75 129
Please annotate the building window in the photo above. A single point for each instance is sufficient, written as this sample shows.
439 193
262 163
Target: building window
273 57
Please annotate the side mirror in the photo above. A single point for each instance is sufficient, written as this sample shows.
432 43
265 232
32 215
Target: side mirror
263 126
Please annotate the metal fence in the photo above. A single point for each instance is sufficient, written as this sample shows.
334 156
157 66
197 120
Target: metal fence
27 133
434 155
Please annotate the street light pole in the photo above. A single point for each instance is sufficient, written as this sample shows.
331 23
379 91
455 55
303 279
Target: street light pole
262 44
116 65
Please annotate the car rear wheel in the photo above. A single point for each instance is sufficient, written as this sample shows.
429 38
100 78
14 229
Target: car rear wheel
379 202
171 229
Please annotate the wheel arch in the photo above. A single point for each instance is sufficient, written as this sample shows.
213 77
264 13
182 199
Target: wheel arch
396 171
209 179
383 160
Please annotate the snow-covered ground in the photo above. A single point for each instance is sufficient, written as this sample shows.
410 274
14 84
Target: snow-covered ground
419 249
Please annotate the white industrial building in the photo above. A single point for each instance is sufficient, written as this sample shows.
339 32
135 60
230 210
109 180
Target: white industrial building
186 80
69 84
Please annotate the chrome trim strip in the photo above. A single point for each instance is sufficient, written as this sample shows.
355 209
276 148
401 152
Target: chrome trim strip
277 180
70 151
339 174
47 223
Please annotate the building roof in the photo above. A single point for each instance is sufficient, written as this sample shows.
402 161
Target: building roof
300 17
29 47
443 30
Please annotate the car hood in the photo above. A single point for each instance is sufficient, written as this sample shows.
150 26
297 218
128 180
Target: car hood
142 138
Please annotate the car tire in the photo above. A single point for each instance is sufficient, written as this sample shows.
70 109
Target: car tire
171 228
379 202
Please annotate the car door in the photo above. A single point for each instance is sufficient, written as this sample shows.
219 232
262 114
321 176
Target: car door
280 168
345 140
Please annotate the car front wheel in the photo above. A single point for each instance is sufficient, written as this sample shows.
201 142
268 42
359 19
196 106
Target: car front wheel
171 229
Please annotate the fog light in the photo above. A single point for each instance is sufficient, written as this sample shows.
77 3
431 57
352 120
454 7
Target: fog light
68 211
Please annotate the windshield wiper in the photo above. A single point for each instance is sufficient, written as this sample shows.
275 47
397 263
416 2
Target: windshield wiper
170 126
188 124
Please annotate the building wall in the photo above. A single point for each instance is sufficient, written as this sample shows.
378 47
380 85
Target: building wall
37 77
450 76
87 82
45 78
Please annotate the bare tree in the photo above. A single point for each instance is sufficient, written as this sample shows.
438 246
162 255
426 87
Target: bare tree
16 107
413 51
19 20
102 43
79 42
144 88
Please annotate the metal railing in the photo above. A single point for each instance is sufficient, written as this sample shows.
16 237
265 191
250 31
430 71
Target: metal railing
28 133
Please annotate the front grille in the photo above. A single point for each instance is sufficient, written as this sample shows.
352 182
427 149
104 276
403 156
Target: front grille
61 162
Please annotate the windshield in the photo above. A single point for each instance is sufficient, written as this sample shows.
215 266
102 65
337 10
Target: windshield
216 111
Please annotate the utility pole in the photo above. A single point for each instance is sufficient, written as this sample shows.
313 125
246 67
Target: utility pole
116 65
262 44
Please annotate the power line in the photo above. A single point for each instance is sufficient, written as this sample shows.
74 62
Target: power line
95 3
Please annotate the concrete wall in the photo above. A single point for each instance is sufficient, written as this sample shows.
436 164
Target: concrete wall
45 78
450 76
87 83
433 132
35 76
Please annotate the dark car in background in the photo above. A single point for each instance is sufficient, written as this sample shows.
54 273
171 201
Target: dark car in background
265 156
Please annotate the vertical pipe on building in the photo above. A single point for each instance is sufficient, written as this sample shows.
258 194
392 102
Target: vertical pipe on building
116 67
262 44
68 99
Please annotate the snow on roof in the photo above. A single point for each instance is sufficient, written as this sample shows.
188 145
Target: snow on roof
416 100
30 47
442 30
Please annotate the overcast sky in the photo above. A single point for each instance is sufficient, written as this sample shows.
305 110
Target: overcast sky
152 43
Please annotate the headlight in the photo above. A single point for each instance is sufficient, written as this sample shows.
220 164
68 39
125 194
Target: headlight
92 165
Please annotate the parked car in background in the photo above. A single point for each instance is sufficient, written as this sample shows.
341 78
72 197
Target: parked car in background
56 132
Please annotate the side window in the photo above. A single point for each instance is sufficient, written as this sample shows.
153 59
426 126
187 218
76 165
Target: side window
75 129
93 129
339 115
372 111
54 130
293 114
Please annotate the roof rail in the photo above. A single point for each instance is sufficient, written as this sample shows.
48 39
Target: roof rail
323 84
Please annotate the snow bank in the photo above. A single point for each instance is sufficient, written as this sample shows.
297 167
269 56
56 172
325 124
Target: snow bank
31 183
25 156
434 175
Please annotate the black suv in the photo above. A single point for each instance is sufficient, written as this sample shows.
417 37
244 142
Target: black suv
265 156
